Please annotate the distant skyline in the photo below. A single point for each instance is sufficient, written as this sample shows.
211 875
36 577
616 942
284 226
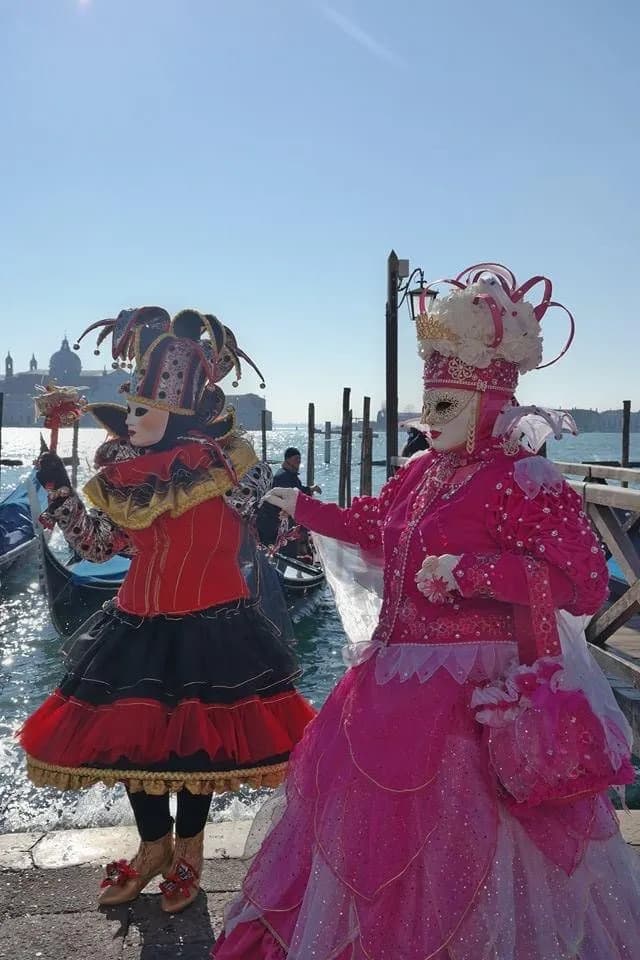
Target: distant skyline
260 159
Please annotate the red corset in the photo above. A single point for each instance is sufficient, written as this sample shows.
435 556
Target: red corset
185 563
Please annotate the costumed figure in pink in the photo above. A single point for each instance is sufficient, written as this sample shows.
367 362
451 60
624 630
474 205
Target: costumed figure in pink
185 683
451 799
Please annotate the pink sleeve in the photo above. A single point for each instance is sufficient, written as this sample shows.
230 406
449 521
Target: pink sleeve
544 539
361 523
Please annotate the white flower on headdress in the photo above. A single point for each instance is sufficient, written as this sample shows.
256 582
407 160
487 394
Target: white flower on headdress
472 330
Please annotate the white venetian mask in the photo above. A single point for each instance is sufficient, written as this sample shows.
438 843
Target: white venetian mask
446 413
146 425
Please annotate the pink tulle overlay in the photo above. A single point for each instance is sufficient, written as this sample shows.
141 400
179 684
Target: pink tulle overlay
393 842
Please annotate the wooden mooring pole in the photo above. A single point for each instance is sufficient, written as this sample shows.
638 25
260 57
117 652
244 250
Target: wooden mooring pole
327 441
311 446
366 450
349 457
74 454
391 317
263 432
626 432
342 476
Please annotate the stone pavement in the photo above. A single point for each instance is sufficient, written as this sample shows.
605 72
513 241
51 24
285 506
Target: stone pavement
48 887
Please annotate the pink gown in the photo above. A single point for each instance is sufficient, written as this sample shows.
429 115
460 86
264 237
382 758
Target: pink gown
393 839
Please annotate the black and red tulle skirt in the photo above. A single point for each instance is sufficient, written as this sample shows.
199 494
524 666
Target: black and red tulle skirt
204 702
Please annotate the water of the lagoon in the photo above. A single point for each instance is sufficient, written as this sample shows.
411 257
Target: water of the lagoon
31 664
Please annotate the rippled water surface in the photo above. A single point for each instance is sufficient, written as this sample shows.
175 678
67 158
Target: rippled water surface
31 664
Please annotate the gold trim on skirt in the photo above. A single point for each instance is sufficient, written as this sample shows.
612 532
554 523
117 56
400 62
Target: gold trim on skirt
156 783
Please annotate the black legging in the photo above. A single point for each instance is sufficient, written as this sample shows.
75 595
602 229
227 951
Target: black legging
154 820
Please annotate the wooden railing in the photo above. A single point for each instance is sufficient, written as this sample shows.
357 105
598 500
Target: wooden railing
606 502
624 677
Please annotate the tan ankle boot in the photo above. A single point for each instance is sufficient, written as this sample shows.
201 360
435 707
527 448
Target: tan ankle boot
183 881
124 879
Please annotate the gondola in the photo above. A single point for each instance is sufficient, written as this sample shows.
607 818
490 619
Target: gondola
78 588
17 534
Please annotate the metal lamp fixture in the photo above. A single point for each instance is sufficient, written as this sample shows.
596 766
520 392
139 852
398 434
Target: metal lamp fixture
412 291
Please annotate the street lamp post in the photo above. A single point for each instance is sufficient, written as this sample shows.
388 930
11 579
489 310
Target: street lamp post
401 286
395 271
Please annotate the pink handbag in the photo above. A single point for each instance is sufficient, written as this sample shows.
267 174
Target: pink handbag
544 741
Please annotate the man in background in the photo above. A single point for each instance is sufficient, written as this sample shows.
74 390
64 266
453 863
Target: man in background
269 516
289 473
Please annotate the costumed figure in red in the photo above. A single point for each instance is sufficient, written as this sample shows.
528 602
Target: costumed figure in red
185 683
451 799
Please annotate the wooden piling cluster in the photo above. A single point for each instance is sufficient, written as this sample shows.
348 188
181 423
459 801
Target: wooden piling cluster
346 448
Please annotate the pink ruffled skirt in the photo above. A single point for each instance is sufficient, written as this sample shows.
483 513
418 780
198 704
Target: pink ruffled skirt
392 843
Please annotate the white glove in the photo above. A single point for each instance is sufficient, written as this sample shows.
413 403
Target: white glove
284 498
435 578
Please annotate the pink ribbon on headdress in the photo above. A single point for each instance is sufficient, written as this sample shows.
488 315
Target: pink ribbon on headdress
496 315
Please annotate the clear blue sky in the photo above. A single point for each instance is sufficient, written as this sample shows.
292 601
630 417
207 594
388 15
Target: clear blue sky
259 158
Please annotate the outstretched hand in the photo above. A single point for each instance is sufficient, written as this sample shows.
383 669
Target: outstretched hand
284 498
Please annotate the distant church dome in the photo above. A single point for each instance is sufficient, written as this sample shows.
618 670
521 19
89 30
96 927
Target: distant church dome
65 365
